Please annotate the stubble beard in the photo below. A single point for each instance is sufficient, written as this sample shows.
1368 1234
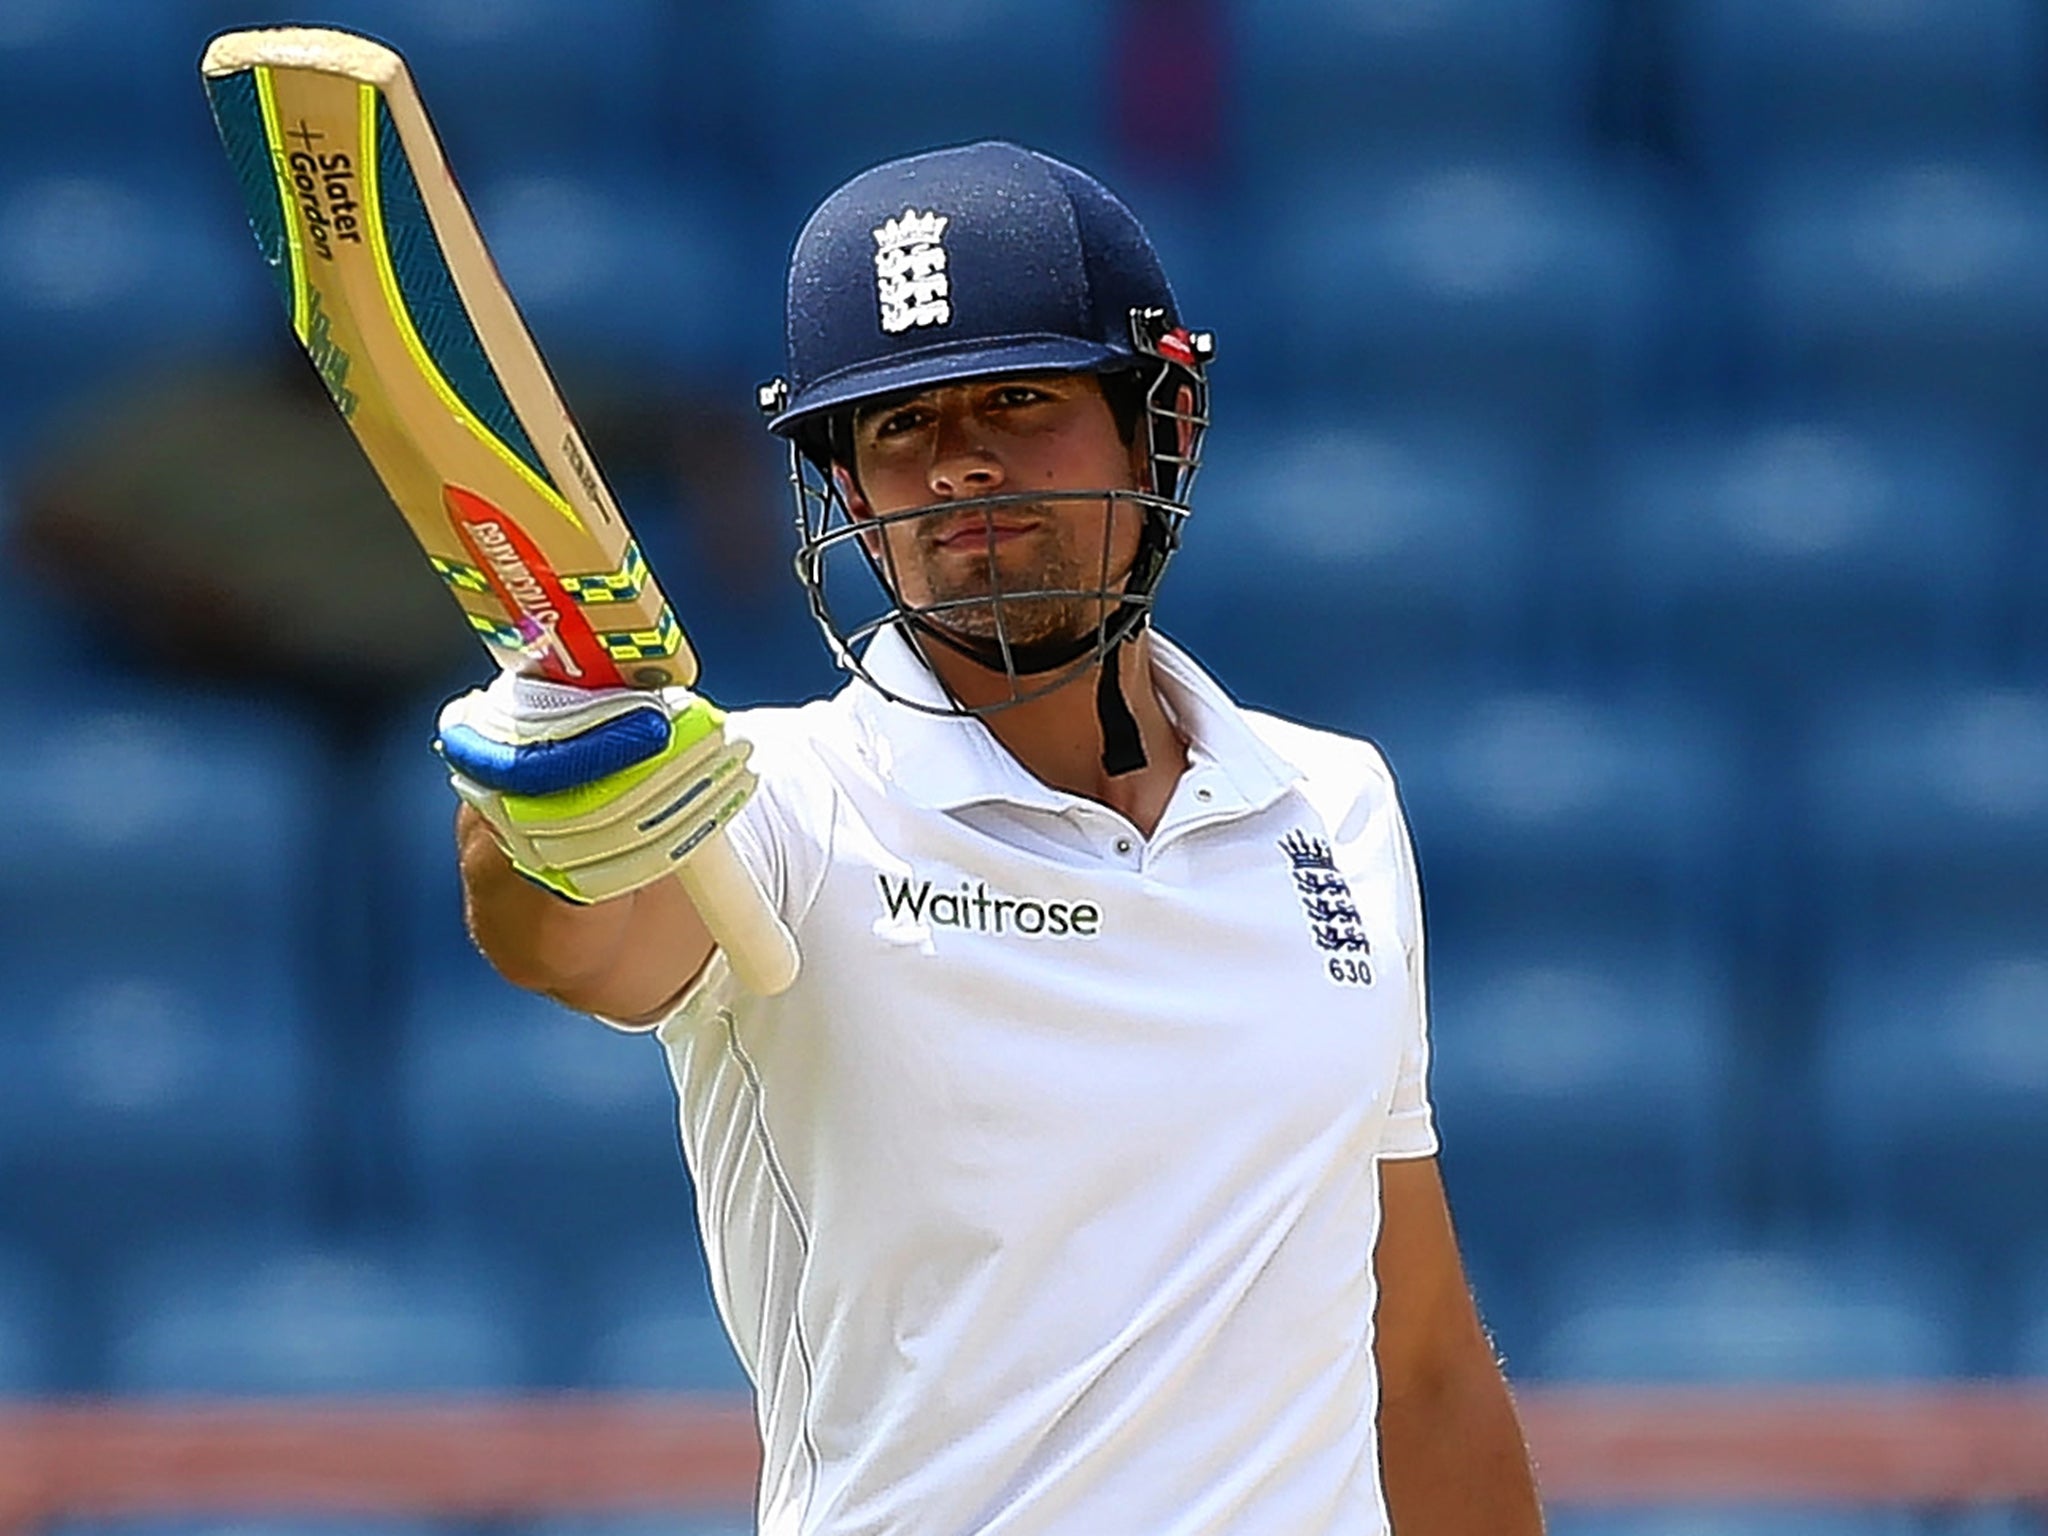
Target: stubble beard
1068 610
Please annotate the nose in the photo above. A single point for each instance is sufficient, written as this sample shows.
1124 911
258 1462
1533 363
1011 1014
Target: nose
962 462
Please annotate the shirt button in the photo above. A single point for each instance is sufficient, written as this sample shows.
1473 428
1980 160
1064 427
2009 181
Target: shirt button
1123 845
1205 794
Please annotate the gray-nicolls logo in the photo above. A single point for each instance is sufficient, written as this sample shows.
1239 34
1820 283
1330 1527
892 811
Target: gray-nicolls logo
910 272
1332 915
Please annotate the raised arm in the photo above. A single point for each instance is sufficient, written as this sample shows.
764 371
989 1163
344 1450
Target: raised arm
581 809
627 959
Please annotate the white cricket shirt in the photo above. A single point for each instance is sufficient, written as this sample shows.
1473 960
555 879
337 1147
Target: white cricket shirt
1044 1203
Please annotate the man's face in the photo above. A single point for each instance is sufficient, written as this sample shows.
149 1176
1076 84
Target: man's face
1006 436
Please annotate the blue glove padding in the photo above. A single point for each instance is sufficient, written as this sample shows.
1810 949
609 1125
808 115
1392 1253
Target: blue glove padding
594 792
545 767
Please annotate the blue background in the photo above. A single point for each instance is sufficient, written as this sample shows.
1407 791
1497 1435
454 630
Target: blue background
1628 414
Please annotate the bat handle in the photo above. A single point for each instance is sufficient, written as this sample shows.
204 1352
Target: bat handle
757 946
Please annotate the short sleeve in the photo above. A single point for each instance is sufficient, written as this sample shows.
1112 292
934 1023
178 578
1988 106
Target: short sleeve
1411 1122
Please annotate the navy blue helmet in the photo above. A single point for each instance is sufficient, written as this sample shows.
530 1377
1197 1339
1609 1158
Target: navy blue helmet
958 264
974 262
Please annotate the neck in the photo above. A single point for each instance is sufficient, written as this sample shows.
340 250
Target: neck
1058 738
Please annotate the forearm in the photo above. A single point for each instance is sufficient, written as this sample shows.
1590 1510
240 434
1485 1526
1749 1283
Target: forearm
1453 1459
625 958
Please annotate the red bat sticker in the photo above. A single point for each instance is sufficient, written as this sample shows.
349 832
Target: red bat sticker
558 638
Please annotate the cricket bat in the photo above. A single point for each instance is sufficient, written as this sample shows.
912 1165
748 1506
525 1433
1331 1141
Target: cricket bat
403 313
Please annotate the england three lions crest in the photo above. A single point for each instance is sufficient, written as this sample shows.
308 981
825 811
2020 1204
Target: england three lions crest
1326 902
910 272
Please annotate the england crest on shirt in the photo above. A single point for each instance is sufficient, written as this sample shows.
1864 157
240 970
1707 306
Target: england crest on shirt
1332 914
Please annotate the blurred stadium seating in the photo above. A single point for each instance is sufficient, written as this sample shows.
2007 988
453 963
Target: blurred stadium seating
215 1526
1918 282
1574 818
1398 551
660 78
32 1335
514 1112
1629 413
1738 1521
655 1327
1778 559
1326 80
901 74
146 1100
573 245
117 823
106 269
1529 293
1644 1309
1582 1096
224 1313
1927 810
1939 1133
1763 79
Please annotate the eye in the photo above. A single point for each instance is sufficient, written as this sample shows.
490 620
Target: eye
1011 395
894 423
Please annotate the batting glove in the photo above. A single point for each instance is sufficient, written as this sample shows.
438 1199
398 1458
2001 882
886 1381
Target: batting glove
594 792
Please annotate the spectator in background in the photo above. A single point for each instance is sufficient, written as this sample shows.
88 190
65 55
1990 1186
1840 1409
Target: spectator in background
226 528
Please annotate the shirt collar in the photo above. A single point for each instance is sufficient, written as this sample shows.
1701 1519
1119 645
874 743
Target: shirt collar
950 761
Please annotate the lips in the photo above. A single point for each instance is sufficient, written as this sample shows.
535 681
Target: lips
978 532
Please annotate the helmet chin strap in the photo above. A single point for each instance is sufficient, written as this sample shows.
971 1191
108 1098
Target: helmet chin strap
1123 748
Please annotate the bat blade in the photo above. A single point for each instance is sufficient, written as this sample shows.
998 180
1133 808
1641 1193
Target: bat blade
396 300
400 307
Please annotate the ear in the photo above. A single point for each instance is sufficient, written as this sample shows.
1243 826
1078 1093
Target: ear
858 509
857 504
1141 440
1183 417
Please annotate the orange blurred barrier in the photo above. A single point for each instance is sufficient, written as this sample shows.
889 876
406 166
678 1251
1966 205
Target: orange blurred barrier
1928 1445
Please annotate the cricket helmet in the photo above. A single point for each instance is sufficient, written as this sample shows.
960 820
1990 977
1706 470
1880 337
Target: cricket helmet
973 262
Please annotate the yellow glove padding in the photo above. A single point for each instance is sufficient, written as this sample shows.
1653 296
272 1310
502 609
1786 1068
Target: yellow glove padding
540 762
